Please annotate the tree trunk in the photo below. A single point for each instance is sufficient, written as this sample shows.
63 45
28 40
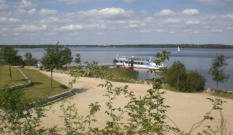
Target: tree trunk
217 84
51 79
10 72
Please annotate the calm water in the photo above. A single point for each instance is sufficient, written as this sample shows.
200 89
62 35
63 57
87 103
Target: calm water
194 59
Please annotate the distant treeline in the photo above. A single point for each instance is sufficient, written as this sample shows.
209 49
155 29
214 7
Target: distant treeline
220 46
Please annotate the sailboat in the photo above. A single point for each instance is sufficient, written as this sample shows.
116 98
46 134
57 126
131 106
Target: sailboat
178 49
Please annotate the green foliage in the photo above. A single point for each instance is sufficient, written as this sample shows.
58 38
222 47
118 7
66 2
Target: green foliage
93 70
66 56
8 56
76 124
78 59
194 82
216 70
54 59
121 75
90 70
10 99
15 119
177 77
29 60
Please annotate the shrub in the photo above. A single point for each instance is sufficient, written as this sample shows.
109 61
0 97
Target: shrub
195 82
177 77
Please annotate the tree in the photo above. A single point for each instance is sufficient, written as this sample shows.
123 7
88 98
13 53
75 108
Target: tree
52 60
18 60
176 75
78 58
216 70
29 60
9 56
66 56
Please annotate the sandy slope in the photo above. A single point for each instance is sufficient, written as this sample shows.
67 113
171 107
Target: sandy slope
185 110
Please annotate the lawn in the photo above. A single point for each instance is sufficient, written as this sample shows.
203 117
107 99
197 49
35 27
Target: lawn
5 81
41 86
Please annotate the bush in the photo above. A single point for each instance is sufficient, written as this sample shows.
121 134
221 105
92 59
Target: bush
177 77
29 60
195 82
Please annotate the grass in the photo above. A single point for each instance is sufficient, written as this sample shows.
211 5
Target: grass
115 74
122 75
170 88
217 93
222 94
5 81
41 86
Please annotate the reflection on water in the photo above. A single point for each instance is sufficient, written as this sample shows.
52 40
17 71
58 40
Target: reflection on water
194 59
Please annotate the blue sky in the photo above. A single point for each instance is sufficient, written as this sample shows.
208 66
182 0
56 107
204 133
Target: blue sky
116 21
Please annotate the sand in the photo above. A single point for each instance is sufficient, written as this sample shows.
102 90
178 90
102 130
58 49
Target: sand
185 108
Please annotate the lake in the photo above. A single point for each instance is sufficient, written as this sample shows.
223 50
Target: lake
194 59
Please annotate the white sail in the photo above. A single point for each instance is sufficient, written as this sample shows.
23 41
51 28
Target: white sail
178 49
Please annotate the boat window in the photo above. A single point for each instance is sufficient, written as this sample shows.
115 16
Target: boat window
146 63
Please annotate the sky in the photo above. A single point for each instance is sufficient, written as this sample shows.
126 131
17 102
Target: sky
90 22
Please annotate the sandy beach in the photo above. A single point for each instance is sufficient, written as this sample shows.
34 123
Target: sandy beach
185 108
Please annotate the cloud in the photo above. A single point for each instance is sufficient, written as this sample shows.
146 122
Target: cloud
208 2
44 11
133 25
72 27
129 1
32 11
72 1
166 12
193 22
160 30
76 27
109 13
229 28
144 12
50 20
25 4
190 12
83 1
216 30
3 5
10 20
172 20
112 11
227 16
143 31
31 28
22 11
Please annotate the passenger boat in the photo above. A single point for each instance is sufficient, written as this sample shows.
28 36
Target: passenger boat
135 63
